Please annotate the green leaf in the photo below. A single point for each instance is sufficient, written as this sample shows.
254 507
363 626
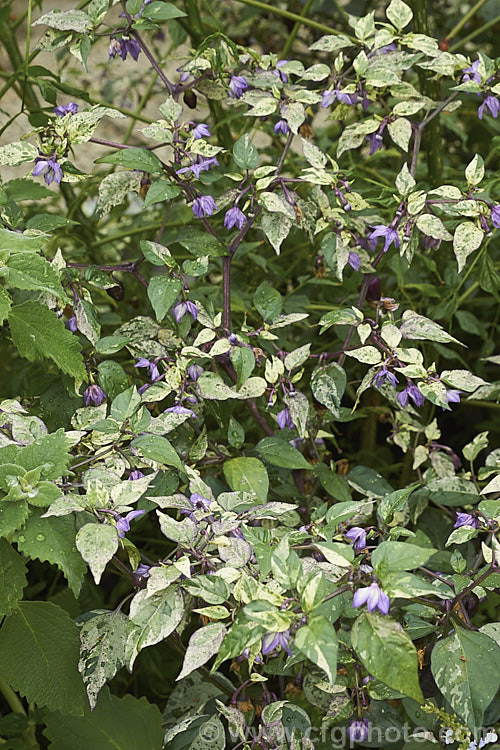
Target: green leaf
97 543
467 238
102 650
328 386
159 191
125 404
203 644
5 305
116 723
87 320
466 668
134 158
12 516
400 131
53 540
162 293
39 655
278 452
245 154
151 619
318 641
368 482
50 453
34 272
415 326
158 449
243 360
387 652
276 227
161 11
474 171
267 301
38 333
12 577
247 475
392 556
200 243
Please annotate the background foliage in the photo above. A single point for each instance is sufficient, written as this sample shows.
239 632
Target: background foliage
249 463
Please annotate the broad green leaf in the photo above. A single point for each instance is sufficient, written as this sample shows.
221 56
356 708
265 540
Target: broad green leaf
162 293
49 452
183 532
158 449
34 272
393 556
247 475
466 668
368 482
38 334
159 191
53 540
151 619
87 320
125 404
267 301
5 305
245 154
97 543
161 11
318 641
452 491
39 656
116 723
134 158
102 649
200 243
203 644
387 653
12 517
278 452
243 360
12 577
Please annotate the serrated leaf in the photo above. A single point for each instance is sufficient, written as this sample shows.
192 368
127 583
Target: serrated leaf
102 650
12 577
34 272
38 333
203 644
39 655
115 724
97 543
387 653
53 540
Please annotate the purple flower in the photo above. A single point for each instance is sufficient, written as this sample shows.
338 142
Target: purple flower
273 641
390 234
385 49
354 260
385 375
453 397
200 131
199 502
465 519
66 109
194 372
281 127
491 103
358 730
49 168
329 96
114 48
123 524
202 164
94 394
237 85
71 323
495 216
154 373
376 142
373 597
142 570
373 293
129 46
412 392
278 72
135 474
181 308
204 206
358 536
234 218
178 409
284 419
473 69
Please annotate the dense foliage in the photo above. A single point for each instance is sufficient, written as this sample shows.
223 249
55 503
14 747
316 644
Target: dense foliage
249 466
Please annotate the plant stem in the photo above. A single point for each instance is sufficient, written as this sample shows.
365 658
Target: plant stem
474 33
11 697
295 30
465 19
273 10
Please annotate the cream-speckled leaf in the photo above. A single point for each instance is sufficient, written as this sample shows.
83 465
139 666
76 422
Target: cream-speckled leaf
97 543
102 650
467 238
203 644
